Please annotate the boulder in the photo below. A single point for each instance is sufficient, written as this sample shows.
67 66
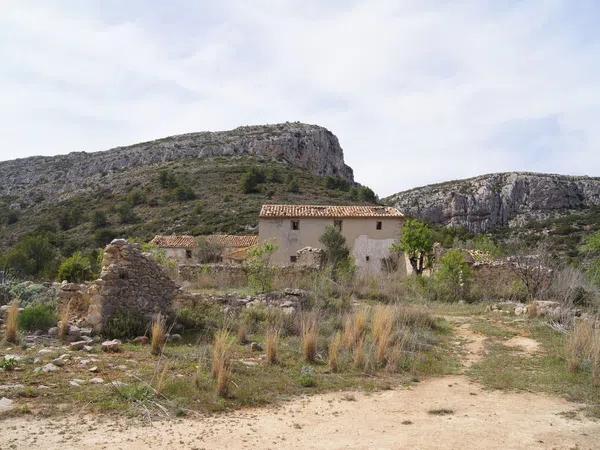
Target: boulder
141 340
77 345
111 346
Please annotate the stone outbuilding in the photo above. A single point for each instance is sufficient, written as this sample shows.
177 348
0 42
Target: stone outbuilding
214 248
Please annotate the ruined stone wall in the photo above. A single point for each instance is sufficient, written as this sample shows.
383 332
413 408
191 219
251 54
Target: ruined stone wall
130 283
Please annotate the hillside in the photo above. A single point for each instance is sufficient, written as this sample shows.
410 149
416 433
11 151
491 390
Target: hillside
33 180
494 201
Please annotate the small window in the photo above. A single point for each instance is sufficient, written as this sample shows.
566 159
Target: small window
295 224
337 224
293 258
367 258
188 254
379 225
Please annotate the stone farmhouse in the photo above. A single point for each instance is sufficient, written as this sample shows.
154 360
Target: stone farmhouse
370 231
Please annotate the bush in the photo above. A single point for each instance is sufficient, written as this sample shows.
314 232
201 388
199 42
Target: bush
293 187
126 213
184 193
99 219
125 324
34 256
28 292
38 316
453 276
203 317
103 237
167 179
75 269
307 377
337 253
336 183
260 272
251 179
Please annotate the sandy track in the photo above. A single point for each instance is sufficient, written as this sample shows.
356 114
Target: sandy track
386 420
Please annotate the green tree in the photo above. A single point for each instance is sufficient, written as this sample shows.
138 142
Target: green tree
416 242
293 186
99 219
34 256
258 267
167 179
337 254
126 213
75 269
454 275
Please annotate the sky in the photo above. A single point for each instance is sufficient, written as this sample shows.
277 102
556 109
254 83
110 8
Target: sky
417 91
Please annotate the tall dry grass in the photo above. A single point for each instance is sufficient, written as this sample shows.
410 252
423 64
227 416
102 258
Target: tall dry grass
242 333
63 326
355 325
382 328
221 361
272 345
533 310
595 357
159 335
335 346
359 356
310 335
579 345
12 322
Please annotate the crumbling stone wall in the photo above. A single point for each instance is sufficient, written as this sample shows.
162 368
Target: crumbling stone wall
130 283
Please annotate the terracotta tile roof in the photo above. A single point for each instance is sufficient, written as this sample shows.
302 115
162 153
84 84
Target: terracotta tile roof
231 240
174 241
328 211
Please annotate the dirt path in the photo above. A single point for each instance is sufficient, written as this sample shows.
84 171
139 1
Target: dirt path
447 413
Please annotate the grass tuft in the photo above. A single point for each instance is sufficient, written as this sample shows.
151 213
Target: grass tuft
12 322
310 335
354 327
383 323
159 335
579 344
272 345
63 326
334 352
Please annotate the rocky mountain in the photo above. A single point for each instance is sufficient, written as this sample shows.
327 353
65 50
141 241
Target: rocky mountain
488 202
309 147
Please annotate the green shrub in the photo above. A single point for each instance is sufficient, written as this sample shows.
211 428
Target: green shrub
126 213
307 377
260 272
38 316
125 324
33 256
167 179
75 269
184 193
204 317
453 276
293 187
99 219
28 292
251 179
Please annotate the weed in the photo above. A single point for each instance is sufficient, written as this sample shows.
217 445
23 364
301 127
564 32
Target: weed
221 352
307 377
354 327
359 356
579 344
242 333
310 334
63 325
383 322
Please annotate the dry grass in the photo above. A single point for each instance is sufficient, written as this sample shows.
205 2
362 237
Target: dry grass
384 318
161 380
335 345
221 352
272 345
359 356
159 335
310 335
223 378
595 357
354 327
533 310
579 345
63 325
12 322
242 333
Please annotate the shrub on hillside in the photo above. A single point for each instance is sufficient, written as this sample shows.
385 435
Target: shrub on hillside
34 256
99 219
28 292
126 213
75 269
125 324
184 193
205 318
38 316
251 179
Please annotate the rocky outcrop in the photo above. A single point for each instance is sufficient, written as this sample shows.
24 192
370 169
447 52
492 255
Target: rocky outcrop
308 147
487 202
130 284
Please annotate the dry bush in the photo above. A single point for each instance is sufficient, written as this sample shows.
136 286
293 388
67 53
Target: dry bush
409 316
383 325
334 352
354 327
272 345
579 345
310 335
221 352
162 377
359 356
12 322
533 310
63 326
159 335
242 333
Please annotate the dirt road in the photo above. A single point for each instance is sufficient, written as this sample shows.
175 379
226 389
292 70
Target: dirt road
442 413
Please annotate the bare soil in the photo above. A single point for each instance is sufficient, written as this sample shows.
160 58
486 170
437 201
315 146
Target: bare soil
473 418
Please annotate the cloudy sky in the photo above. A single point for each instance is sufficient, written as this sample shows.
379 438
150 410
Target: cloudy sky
417 91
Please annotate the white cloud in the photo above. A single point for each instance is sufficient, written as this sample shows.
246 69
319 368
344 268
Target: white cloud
416 91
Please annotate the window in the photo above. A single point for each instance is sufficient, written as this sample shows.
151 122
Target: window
337 224
293 258
188 254
367 258
379 225
295 224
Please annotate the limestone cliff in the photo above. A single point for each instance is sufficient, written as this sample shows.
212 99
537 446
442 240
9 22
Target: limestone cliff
497 200
308 147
